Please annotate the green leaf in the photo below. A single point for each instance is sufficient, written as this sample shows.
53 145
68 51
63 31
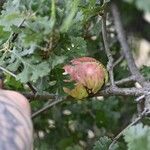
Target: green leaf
93 10
14 66
103 144
72 7
33 72
10 18
75 147
137 137
14 13
3 36
56 60
146 72
12 83
78 46
129 1
143 5
96 29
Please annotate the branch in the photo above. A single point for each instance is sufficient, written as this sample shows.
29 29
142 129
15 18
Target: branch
13 75
124 81
123 91
14 35
127 52
46 107
105 92
118 61
44 96
125 46
107 50
7 71
146 112
32 88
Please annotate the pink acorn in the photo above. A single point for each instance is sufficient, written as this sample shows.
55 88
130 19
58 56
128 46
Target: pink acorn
88 74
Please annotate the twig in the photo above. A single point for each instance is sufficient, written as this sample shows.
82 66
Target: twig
46 107
32 88
143 114
125 46
13 75
118 61
139 107
124 81
128 54
107 50
12 39
138 99
44 96
140 102
105 92
7 71
15 35
123 91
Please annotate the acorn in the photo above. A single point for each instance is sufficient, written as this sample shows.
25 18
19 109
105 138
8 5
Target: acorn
88 76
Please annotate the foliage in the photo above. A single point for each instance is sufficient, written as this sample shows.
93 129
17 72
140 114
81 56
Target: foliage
142 5
103 143
146 72
137 137
37 38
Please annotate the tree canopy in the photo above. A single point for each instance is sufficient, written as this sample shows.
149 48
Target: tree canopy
39 37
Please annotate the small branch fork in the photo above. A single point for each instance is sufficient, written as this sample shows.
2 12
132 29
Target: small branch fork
127 52
137 76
